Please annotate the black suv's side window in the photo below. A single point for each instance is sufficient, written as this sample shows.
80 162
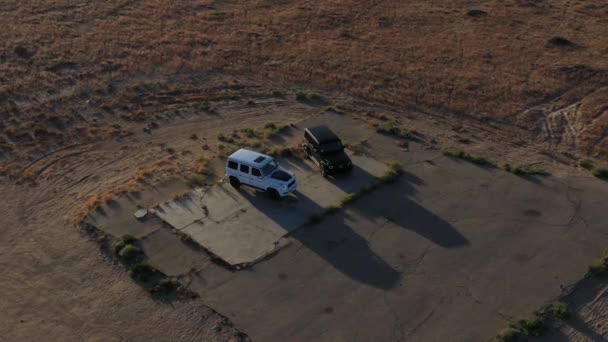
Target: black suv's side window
233 165
244 168
256 172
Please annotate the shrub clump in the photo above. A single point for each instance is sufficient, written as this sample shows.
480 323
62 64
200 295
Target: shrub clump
130 252
600 266
271 129
600 172
124 240
533 325
302 95
561 42
508 335
475 159
393 128
524 170
560 310
395 170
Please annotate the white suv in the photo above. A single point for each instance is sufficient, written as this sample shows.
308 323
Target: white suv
259 171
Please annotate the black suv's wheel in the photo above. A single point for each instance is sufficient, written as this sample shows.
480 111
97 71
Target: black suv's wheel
273 193
323 171
235 182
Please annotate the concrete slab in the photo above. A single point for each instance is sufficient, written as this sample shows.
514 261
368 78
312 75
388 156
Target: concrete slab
242 226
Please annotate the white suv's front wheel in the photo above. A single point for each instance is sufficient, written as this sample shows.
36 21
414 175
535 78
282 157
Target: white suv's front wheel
235 182
273 193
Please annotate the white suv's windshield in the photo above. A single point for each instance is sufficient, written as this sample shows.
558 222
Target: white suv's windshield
268 168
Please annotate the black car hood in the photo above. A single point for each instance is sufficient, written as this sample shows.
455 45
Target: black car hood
336 157
281 175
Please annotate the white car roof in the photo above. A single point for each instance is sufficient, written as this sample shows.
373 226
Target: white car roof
250 157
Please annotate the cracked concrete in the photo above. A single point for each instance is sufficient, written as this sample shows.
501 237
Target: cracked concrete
451 252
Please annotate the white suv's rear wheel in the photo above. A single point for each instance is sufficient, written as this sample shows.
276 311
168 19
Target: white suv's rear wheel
235 182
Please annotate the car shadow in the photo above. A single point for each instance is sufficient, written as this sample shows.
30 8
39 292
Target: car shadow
336 243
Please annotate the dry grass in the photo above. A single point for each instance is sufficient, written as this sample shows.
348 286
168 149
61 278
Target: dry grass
121 66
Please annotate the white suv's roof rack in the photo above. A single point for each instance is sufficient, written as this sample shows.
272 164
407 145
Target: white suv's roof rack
250 157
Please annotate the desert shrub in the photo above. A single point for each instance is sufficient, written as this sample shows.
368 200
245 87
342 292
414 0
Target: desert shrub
560 310
524 170
475 159
277 93
561 42
585 164
600 172
475 13
395 170
22 52
303 95
142 271
533 325
249 132
508 335
123 241
222 137
271 129
278 151
393 128
129 252
600 265
194 136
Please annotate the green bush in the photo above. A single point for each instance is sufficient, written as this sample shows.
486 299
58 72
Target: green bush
524 170
600 172
129 252
271 129
534 325
475 159
600 266
303 95
123 241
560 310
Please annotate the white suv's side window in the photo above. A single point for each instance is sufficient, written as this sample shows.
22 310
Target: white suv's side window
256 172
244 168
233 165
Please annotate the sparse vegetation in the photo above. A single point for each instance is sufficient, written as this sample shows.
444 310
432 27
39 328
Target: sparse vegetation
130 252
394 129
560 310
533 325
284 152
475 159
303 95
271 130
600 265
124 240
395 170
525 170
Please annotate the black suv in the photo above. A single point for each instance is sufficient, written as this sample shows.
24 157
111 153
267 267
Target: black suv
324 148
